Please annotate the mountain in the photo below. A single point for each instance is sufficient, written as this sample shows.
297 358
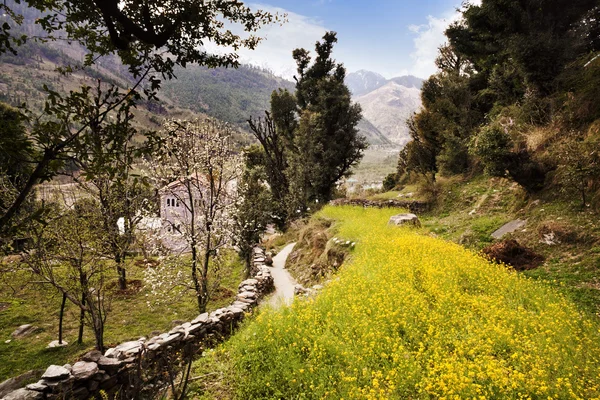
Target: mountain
362 82
388 107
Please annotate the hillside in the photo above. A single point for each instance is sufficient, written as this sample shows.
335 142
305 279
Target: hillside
232 95
410 316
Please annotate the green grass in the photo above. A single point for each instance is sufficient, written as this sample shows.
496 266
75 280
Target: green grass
411 316
130 317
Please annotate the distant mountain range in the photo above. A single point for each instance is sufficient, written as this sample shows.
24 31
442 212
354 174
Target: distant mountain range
386 104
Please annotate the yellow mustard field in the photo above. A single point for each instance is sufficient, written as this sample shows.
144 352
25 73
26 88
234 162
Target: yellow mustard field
413 317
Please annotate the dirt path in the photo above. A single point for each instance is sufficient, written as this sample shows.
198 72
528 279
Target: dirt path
284 283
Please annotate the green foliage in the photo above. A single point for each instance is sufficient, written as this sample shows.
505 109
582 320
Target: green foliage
492 145
327 138
579 167
310 140
17 148
254 209
390 182
510 66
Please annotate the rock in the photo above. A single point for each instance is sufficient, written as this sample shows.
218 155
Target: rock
404 219
80 393
200 318
39 386
110 365
15 383
23 331
93 385
318 287
269 260
175 337
92 356
55 343
125 350
299 289
56 373
247 295
84 370
23 394
508 228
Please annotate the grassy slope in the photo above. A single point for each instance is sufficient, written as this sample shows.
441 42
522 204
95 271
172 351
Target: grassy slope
130 318
412 316
470 210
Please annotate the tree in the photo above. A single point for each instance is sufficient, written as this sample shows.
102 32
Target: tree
254 208
199 170
327 140
16 153
579 167
309 139
538 38
104 158
275 133
66 252
149 37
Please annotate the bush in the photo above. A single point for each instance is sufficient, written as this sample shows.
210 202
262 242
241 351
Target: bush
390 182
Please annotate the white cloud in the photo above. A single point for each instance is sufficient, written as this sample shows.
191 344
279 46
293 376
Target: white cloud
275 50
429 38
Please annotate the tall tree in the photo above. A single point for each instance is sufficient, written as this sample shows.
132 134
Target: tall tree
327 143
309 139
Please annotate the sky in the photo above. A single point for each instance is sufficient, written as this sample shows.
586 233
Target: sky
391 37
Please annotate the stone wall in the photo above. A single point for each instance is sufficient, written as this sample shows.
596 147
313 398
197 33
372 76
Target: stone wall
414 206
128 370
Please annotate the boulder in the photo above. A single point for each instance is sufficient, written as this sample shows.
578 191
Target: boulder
17 382
110 365
92 356
508 228
23 331
39 386
404 219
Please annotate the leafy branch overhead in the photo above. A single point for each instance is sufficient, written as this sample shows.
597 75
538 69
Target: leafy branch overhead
150 34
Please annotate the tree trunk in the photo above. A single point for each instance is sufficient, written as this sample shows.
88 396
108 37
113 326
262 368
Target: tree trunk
197 286
99 333
81 320
204 281
60 318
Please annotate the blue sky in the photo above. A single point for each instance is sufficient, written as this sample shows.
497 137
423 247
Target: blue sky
392 37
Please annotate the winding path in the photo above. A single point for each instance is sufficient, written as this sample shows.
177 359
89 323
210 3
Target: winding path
284 283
